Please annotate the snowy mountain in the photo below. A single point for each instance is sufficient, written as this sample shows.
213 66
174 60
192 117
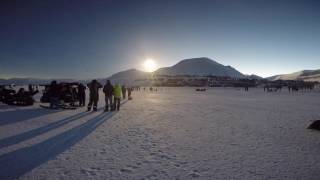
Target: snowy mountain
129 76
195 66
305 75
199 66
253 76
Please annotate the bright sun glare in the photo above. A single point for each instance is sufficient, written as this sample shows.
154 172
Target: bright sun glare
149 65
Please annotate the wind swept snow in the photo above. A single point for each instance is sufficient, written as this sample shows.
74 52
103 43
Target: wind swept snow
175 133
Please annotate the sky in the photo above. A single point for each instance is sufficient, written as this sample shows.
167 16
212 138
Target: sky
94 39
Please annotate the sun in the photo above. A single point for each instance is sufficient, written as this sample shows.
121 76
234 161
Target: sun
149 65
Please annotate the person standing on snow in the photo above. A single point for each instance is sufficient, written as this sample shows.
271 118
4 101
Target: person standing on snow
124 91
129 93
82 95
54 94
108 92
94 87
117 93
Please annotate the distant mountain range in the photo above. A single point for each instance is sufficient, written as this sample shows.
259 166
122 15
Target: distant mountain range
25 81
195 66
306 75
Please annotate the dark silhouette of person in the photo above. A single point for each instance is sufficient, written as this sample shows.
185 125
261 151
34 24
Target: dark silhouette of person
30 87
108 92
54 94
94 87
129 93
82 95
1 92
124 91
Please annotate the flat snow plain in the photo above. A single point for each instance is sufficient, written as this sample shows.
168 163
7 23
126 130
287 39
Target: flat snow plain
174 133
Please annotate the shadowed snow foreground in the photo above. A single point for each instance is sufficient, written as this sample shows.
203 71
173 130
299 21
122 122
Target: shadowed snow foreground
175 133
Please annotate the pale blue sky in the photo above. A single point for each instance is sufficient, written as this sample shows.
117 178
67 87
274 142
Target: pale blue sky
89 39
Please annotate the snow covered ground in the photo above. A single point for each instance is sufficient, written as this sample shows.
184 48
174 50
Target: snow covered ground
175 133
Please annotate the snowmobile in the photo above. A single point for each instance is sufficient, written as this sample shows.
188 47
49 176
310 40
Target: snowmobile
6 94
68 95
21 98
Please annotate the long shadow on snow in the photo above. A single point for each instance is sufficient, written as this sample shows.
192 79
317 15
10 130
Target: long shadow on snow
10 117
41 130
19 162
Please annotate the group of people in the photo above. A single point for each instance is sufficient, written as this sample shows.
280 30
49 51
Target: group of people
113 95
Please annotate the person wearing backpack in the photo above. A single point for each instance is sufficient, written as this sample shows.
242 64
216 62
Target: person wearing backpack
108 92
94 87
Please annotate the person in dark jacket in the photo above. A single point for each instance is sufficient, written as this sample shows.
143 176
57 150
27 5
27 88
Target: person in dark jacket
30 87
124 91
94 87
82 95
54 94
108 92
129 93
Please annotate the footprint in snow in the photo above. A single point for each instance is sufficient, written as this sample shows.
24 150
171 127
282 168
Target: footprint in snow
165 157
128 169
103 151
151 177
88 172
95 168
194 174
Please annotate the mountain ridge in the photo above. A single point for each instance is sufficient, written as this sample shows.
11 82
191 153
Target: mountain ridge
199 66
304 75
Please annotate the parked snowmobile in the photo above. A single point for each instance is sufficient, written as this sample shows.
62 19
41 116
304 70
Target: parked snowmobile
5 93
67 94
21 98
